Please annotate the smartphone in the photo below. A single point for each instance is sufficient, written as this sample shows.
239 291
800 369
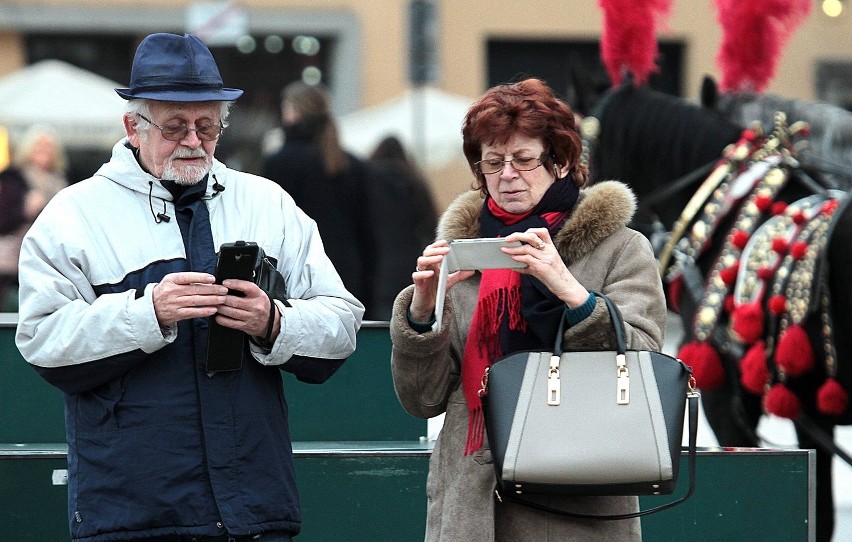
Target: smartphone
236 261
473 254
226 346
481 253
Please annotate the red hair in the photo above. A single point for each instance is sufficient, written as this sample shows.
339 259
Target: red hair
528 108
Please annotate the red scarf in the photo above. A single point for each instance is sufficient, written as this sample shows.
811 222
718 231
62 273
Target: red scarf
499 299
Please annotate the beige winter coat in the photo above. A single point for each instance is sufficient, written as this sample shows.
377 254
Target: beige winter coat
603 254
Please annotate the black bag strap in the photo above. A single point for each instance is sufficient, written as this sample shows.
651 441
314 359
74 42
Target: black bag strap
617 327
692 404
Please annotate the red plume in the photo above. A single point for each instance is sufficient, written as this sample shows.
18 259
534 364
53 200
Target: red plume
628 39
753 34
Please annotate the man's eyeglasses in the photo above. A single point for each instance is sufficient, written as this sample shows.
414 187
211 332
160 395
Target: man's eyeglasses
176 132
520 163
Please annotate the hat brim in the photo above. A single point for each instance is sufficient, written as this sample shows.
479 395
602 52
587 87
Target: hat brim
196 95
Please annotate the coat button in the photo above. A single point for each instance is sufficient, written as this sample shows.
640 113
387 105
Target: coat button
219 524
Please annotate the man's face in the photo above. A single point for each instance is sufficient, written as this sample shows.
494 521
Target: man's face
185 161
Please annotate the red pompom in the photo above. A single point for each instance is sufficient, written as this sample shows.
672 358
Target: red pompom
794 353
798 249
765 273
830 206
675 288
778 208
799 218
763 203
705 362
729 304
777 304
780 245
780 401
832 399
729 274
740 239
753 372
747 322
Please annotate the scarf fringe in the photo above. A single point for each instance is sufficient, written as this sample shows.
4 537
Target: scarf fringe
483 346
475 431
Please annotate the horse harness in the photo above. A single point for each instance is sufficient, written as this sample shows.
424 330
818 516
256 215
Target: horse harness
768 279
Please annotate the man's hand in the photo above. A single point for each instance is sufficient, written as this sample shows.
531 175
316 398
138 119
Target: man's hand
249 312
180 296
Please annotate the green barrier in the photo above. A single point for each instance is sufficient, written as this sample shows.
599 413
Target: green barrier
375 491
357 403
361 467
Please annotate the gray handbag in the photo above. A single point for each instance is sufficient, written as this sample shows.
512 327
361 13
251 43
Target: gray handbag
589 423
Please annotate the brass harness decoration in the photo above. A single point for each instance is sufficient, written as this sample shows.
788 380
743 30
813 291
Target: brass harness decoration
769 258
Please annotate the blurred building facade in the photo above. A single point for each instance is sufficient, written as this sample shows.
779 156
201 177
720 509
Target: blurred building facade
362 50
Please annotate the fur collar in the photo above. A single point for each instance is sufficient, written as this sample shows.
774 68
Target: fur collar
601 209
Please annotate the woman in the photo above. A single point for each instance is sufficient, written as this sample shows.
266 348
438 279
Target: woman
327 183
36 175
404 216
523 147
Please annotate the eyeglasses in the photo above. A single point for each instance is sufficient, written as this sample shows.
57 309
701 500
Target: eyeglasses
520 163
176 132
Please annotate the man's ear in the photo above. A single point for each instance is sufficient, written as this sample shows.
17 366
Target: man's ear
131 128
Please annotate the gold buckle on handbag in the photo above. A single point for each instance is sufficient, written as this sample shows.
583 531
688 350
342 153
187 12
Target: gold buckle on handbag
623 396
553 386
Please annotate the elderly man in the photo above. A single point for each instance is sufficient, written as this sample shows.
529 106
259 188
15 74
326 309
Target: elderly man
116 303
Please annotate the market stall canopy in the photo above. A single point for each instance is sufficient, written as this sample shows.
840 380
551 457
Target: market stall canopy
81 106
427 121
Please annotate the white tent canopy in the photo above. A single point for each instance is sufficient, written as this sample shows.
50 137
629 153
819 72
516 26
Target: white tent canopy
427 121
81 106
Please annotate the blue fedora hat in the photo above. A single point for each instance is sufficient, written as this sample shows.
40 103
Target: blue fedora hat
173 68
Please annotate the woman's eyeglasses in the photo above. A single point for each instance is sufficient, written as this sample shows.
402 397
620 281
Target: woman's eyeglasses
176 132
520 163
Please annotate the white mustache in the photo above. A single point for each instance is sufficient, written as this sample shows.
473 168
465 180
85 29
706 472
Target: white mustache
189 153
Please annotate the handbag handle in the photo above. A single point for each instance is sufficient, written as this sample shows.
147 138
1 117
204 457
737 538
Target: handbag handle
617 327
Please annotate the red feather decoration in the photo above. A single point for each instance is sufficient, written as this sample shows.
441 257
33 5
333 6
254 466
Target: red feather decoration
753 34
628 39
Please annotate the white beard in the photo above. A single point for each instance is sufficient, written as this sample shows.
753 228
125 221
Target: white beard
186 175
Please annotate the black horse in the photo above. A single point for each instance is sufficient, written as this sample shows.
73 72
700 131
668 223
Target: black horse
666 149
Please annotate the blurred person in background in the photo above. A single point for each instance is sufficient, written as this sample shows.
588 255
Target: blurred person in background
328 183
36 174
404 218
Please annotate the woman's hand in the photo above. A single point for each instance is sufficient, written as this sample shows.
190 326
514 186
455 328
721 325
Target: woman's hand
544 263
425 279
